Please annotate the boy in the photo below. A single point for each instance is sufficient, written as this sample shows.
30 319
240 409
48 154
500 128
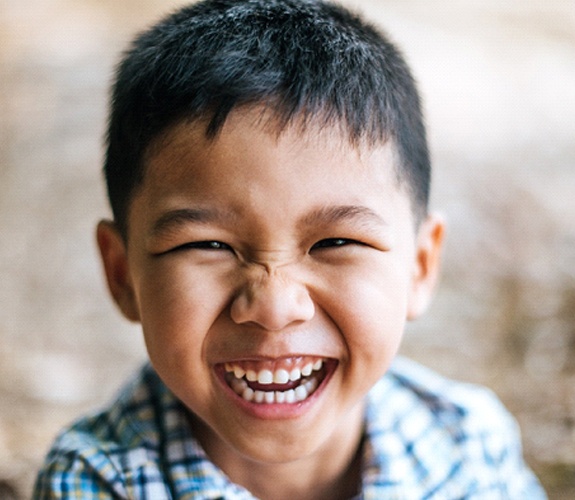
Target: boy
268 173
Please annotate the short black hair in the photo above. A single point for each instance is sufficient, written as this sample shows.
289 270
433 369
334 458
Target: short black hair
304 59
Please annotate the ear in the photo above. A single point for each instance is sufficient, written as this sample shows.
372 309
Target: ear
427 264
115 260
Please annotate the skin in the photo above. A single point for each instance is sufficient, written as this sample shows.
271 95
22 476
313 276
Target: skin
317 254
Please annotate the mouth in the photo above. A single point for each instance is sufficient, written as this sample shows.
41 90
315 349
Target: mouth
286 382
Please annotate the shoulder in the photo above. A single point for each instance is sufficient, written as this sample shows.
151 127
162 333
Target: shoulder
422 406
111 452
455 405
449 436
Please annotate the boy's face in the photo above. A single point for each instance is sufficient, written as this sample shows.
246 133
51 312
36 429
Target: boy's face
258 253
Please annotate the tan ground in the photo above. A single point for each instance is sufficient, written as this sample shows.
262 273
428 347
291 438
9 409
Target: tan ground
498 80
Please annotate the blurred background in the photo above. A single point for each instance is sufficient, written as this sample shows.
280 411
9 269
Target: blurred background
498 81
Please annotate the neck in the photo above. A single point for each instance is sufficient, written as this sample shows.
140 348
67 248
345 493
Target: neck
333 471
304 480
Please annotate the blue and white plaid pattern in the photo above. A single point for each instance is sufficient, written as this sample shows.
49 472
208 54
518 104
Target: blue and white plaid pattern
425 438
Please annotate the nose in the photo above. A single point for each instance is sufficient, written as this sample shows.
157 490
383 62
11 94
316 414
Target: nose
273 301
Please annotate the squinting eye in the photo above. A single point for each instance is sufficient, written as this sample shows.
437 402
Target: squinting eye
217 245
204 245
332 242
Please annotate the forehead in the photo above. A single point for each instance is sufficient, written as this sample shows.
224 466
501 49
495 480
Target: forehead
187 143
258 172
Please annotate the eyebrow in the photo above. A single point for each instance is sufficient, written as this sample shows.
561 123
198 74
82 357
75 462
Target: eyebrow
341 213
175 218
327 215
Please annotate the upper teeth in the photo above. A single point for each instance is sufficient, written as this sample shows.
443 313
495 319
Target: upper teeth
278 376
290 396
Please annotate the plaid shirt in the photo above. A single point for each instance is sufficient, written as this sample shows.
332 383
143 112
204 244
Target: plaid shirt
425 438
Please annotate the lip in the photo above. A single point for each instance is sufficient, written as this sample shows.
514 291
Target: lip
276 411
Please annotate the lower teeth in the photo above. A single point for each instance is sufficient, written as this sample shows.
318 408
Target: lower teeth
300 393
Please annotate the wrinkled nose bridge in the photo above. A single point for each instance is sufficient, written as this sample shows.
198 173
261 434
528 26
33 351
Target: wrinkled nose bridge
269 262
272 295
266 271
266 275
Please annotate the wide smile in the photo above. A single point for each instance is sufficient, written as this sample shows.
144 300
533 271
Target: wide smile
286 381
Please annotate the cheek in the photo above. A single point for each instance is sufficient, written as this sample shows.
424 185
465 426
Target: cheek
378 323
179 305
370 309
